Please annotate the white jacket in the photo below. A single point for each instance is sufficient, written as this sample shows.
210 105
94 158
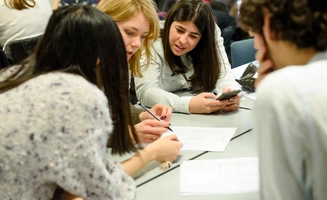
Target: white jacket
23 24
157 84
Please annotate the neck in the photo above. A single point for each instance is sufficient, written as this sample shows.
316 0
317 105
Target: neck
290 54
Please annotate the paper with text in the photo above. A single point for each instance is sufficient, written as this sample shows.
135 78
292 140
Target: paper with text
219 176
203 138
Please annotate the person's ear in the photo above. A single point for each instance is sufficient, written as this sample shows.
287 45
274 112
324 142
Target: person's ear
267 33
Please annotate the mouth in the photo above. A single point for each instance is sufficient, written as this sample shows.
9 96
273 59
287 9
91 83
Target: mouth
179 48
129 53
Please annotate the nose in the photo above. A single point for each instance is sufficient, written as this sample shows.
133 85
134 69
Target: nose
183 38
136 43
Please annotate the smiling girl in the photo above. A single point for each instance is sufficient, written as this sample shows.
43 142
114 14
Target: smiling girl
190 55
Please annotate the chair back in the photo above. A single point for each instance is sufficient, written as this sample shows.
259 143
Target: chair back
3 60
17 51
242 52
219 5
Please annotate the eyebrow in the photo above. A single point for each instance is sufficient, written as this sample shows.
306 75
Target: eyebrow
135 29
193 33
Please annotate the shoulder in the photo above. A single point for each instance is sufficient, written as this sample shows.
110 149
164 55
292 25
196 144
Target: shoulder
65 86
158 46
293 86
275 85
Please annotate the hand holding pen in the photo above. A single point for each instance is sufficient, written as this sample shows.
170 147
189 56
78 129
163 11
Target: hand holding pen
170 143
156 117
161 111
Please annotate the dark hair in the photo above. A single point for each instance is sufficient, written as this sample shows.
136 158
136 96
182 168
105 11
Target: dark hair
303 23
76 39
205 55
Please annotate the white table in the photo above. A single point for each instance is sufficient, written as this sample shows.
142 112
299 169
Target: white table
166 186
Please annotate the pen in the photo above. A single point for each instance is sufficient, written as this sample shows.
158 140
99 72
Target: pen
245 108
153 115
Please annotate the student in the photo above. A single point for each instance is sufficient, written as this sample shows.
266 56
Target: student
58 3
22 20
290 110
59 107
139 26
190 55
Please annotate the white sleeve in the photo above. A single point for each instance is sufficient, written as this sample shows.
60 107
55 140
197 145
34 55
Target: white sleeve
150 93
226 77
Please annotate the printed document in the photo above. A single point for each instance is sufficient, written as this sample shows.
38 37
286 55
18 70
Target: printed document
219 176
203 138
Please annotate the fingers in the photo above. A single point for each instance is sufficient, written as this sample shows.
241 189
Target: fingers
207 95
149 138
172 137
230 107
235 99
164 112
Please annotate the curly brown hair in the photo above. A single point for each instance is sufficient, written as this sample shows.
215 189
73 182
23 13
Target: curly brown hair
302 22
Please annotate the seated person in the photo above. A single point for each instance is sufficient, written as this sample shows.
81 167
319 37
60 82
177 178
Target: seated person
190 55
60 111
22 22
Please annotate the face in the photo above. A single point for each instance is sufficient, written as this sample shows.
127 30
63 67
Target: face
134 31
183 37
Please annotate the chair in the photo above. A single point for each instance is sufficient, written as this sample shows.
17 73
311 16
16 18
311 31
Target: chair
219 5
242 52
17 51
3 60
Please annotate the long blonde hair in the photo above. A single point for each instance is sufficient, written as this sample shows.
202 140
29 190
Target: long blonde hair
121 10
20 4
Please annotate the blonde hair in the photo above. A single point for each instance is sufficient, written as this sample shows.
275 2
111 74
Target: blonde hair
20 4
125 9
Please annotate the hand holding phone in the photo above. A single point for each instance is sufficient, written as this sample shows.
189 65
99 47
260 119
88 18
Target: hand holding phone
228 95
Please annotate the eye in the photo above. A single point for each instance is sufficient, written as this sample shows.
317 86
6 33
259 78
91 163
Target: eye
143 37
194 36
180 30
129 32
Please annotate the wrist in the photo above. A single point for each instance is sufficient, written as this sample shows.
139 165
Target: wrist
149 152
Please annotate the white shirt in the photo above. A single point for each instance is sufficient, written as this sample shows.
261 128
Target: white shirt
157 84
291 126
22 24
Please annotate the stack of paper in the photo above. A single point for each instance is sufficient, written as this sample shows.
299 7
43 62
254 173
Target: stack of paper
203 139
219 176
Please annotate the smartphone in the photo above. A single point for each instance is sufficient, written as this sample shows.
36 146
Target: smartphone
228 95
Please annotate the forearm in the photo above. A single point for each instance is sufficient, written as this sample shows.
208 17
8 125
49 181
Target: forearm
154 95
134 164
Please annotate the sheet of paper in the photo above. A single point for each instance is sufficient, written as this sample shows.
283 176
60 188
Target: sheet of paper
203 138
219 176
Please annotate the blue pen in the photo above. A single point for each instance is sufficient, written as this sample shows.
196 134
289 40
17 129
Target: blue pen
153 115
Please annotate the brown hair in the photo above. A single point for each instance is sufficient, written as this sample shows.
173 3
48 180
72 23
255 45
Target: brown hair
205 56
20 4
303 23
